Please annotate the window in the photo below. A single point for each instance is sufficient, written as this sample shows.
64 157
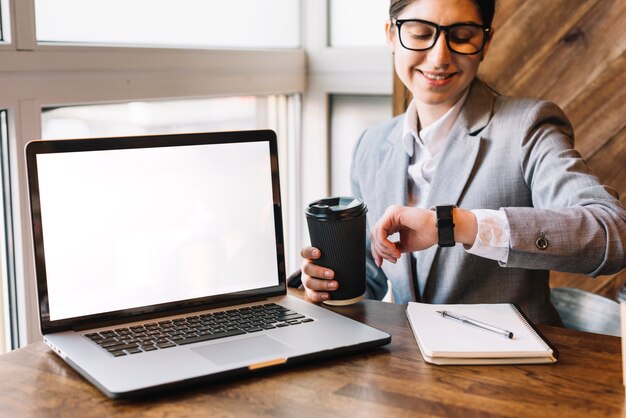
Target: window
1 23
350 115
347 56
5 31
154 117
67 74
358 23
69 85
186 23
8 315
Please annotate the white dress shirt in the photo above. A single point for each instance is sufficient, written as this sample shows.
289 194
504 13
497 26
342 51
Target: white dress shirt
424 149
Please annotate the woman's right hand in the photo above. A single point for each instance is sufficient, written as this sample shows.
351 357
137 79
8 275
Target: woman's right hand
317 280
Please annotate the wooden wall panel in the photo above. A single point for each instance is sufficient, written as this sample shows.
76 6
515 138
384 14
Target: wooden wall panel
598 113
571 52
524 39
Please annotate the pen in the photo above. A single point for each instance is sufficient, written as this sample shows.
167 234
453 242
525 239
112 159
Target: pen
478 324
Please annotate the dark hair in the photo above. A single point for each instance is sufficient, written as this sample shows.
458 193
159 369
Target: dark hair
487 9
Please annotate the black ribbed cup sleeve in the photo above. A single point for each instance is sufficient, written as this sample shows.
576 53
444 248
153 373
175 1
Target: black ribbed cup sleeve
342 244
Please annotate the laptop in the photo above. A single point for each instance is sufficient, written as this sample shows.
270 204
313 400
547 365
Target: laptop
160 262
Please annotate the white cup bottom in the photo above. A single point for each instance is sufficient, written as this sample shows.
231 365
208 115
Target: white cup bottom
334 302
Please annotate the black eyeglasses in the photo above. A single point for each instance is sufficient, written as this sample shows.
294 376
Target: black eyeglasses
462 38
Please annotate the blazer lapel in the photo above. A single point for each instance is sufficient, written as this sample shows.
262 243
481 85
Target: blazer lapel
456 164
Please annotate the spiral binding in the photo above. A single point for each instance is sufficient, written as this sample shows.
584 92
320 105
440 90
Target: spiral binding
528 325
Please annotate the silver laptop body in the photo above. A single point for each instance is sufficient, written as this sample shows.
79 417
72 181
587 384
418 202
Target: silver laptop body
160 262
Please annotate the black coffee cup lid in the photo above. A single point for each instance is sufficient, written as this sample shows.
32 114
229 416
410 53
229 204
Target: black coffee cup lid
336 208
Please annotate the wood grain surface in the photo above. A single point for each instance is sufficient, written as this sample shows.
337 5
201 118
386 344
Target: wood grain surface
391 381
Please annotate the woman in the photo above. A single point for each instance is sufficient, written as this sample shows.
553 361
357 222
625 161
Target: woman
522 201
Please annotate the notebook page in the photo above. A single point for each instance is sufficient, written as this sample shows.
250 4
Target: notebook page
445 337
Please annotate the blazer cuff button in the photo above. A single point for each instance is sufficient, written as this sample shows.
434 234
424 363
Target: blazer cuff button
542 242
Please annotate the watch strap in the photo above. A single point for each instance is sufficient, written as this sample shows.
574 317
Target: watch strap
445 225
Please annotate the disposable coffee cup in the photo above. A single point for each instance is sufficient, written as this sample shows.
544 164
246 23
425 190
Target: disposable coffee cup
622 299
337 229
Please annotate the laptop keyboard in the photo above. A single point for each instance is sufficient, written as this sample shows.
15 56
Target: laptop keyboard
196 328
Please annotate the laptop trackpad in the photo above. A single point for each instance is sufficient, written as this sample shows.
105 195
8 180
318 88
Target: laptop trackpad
243 349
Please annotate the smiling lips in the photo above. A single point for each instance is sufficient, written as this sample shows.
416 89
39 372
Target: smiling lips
437 79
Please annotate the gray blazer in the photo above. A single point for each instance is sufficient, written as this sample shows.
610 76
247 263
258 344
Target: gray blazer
515 154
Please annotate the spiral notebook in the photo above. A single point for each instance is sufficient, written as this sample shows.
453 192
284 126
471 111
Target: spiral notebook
443 340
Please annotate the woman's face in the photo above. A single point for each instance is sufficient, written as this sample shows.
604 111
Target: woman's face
436 77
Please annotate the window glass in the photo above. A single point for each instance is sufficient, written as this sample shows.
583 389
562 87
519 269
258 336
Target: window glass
182 23
357 23
153 117
7 272
1 22
4 21
350 116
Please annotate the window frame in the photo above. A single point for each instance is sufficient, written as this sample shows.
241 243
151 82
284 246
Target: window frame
33 77
331 70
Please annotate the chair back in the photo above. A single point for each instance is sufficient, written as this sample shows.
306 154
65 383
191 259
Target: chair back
585 311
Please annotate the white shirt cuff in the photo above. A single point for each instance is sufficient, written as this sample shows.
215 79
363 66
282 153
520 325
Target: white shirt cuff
493 237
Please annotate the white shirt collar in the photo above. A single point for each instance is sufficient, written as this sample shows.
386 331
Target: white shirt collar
433 134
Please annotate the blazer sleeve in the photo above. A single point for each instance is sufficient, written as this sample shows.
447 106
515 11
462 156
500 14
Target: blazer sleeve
576 224
376 280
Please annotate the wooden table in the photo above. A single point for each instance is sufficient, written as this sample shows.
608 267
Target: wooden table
389 381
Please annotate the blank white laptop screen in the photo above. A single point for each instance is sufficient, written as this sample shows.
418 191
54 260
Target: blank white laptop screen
137 227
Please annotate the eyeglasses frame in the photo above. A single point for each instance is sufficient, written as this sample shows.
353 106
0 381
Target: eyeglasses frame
486 29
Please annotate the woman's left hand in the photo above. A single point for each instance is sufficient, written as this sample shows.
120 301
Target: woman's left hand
416 227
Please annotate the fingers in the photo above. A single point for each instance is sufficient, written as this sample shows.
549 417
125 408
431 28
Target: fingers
315 271
384 252
382 248
380 255
311 253
389 224
378 259
317 289
315 296
317 280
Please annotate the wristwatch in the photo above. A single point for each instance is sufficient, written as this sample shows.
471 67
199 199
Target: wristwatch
445 225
